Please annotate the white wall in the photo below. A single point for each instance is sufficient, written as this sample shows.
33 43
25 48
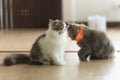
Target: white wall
67 10
79 10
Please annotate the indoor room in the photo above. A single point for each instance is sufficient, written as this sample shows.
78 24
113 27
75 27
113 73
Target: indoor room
59 39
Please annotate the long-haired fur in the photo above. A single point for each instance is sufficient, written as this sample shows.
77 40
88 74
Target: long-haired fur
47 49
95 43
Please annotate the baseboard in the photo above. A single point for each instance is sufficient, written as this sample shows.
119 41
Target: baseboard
109 23
113 24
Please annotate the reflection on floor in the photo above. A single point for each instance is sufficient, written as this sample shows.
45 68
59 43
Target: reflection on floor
73 70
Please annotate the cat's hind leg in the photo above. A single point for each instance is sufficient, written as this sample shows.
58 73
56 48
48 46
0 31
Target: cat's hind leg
40 61
101 57
37 61
104 54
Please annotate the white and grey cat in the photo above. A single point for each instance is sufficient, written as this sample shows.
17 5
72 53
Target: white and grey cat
47 49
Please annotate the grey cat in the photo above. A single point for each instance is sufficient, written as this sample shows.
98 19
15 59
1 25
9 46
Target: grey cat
94 44
47 49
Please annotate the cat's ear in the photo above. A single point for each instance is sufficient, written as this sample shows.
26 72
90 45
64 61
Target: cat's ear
50 20
69 24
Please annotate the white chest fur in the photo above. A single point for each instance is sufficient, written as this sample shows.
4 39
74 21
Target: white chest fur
53 43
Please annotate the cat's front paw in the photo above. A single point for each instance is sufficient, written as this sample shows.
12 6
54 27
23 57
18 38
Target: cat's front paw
61 63
83 59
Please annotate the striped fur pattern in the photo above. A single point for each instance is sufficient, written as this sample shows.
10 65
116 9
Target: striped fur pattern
95 44
47 49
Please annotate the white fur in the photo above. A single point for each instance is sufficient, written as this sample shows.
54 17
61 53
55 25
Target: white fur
53 46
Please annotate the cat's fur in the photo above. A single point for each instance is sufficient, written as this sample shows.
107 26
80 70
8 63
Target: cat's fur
95 43
47 49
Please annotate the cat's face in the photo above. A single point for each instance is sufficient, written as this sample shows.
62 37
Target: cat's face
57 25
73 29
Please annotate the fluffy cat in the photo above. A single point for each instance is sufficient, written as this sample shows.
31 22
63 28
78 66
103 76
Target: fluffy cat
47 49
94 43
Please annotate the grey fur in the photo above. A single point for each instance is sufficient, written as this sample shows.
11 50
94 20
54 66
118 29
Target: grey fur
57 25
36 56
16 58
94 43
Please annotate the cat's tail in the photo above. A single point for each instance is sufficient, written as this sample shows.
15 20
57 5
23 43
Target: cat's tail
16 59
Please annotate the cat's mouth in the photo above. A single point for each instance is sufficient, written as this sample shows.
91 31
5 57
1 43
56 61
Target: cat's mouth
62 31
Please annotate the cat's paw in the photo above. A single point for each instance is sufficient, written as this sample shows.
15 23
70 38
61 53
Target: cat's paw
83 59
61 63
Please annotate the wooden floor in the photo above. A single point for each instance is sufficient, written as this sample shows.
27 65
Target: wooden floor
73 70
21 40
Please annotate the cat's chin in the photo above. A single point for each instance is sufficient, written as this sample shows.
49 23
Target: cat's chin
62 31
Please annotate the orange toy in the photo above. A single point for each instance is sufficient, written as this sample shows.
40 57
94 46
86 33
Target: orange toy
79 35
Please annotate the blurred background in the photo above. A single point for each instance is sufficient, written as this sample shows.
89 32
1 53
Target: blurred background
22 21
